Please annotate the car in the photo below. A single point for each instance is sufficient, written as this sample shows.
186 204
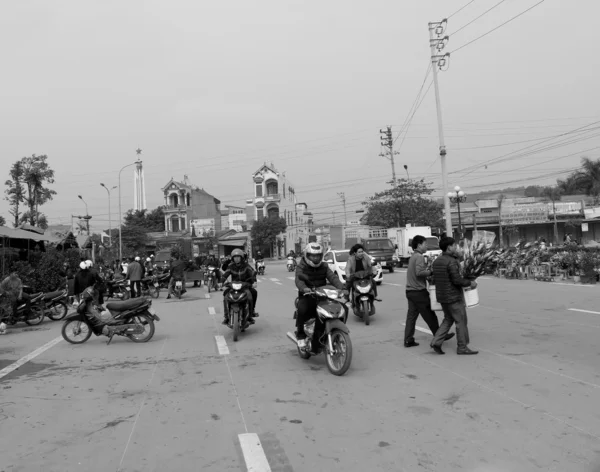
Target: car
337 263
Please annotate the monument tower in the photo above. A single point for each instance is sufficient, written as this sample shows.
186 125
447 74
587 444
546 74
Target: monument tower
139 196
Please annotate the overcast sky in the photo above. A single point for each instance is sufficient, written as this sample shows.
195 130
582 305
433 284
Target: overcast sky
214 89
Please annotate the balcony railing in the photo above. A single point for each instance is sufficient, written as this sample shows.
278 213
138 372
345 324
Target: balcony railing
273 197
175 207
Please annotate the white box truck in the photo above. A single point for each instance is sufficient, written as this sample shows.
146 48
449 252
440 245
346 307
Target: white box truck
402 237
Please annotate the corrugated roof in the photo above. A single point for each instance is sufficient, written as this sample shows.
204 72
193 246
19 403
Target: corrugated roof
7 232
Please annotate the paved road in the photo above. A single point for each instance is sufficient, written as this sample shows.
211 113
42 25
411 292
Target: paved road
528 402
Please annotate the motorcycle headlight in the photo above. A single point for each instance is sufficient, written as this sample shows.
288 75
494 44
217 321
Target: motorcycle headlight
365 289
331 293
236 286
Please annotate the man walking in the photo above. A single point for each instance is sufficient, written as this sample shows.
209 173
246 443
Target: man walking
417 294
449 293
135 274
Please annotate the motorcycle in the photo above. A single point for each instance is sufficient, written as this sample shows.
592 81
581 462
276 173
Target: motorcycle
291 264
212 281
150 286
55 304
133 319
118 289
332 313
260 267
178 287
363 297
32 316
163 280
236 301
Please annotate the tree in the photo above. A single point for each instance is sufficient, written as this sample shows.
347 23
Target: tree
532 191
15 193
264 231
153 221
2 221
40 219
36 174
406 202
554 195
585 180
134 239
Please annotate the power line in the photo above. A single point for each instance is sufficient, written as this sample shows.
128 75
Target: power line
460 9
475 19
497 27
416 100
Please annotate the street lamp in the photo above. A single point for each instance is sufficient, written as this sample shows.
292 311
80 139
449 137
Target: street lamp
109 217
406 169
87 215
458 197
120 217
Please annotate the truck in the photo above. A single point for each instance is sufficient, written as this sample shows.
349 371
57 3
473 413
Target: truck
402 238
382 249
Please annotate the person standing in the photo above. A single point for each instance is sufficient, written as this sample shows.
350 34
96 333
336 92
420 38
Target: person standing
449 293
417 294
135 273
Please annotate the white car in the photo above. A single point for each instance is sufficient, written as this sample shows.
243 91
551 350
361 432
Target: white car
337 263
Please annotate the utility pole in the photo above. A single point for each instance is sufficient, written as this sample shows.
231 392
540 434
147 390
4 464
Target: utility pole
343 197
388 142
436 44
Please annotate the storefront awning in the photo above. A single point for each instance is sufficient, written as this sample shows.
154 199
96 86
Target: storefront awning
233 242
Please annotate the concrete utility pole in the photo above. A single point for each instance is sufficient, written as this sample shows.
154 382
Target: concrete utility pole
342 195
388 142
436 44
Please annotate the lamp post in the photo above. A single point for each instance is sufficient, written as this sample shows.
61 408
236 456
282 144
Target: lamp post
120 217
87 215
458 197
406 169
109 217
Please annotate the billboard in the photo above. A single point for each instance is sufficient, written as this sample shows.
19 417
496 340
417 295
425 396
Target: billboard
519 215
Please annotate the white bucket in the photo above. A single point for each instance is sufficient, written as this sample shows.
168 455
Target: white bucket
471 296
435 306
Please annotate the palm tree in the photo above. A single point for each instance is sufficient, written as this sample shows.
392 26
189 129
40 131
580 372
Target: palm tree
588 178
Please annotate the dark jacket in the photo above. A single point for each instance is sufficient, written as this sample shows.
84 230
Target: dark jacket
351 265
135 271
177 269
84 279
317 276
448 281
241 273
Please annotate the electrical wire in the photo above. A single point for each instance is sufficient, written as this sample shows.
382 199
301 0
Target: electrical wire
497 27
460 9
415 101
475 19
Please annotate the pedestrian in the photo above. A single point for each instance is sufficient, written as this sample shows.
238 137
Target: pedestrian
11 289
449 293
417 294
135 274
84 279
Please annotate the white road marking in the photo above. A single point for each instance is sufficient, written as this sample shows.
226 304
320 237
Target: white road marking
572 285
207 296
274 280
395 285
258 280
254 455
278 283
222 345
423 330
585 311
292 278
211 310
32 355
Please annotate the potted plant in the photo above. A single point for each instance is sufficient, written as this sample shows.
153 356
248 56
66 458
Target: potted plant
588 264
475 262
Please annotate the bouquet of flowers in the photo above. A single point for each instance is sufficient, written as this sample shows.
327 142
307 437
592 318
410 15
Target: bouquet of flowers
477 259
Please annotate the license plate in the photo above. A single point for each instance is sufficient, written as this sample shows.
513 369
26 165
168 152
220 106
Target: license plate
383 263
156 284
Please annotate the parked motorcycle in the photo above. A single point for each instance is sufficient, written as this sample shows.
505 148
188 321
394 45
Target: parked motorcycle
133 319
150 286
291 264
260 267
211 279
118 289
363 296
236 301
55 304
334 339
31 316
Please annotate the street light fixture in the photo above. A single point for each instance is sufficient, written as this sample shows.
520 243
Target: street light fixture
406 169
109 217
87 214
458 197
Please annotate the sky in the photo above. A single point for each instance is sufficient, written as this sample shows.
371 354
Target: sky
215 89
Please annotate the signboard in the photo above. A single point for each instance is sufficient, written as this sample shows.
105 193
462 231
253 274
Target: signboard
525 215
204 227
584 227
485 237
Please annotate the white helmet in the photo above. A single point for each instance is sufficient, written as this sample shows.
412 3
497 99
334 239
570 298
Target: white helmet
313 254
137 258
83 265
89 263
148 259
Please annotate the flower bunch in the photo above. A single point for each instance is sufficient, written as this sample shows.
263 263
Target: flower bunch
477 259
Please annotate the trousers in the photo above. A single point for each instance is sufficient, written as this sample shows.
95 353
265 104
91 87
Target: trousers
453 313
419 303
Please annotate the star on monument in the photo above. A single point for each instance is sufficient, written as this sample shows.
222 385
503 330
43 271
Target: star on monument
138 151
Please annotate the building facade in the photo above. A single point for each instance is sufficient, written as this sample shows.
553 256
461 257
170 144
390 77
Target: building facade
233 217
275 197
189 207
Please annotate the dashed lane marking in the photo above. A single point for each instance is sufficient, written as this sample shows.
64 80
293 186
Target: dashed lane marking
274 280
395 285
222 345
585 311
32 355
211 310
254 455
292 278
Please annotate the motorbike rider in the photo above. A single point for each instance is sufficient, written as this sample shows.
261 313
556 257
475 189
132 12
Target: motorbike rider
214 262
85 278
358 261
240 271
257 259
177 272
319 274
148 267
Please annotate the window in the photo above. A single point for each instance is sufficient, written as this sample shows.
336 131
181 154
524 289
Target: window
328 258
259 191
259 214
272 188
378 244
433 244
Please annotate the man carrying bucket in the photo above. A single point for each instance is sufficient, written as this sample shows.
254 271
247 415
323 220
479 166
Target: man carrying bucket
449 293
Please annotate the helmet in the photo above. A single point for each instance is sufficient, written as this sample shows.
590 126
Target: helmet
137 258
148 259
83 265
89 263
313 254
237 252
